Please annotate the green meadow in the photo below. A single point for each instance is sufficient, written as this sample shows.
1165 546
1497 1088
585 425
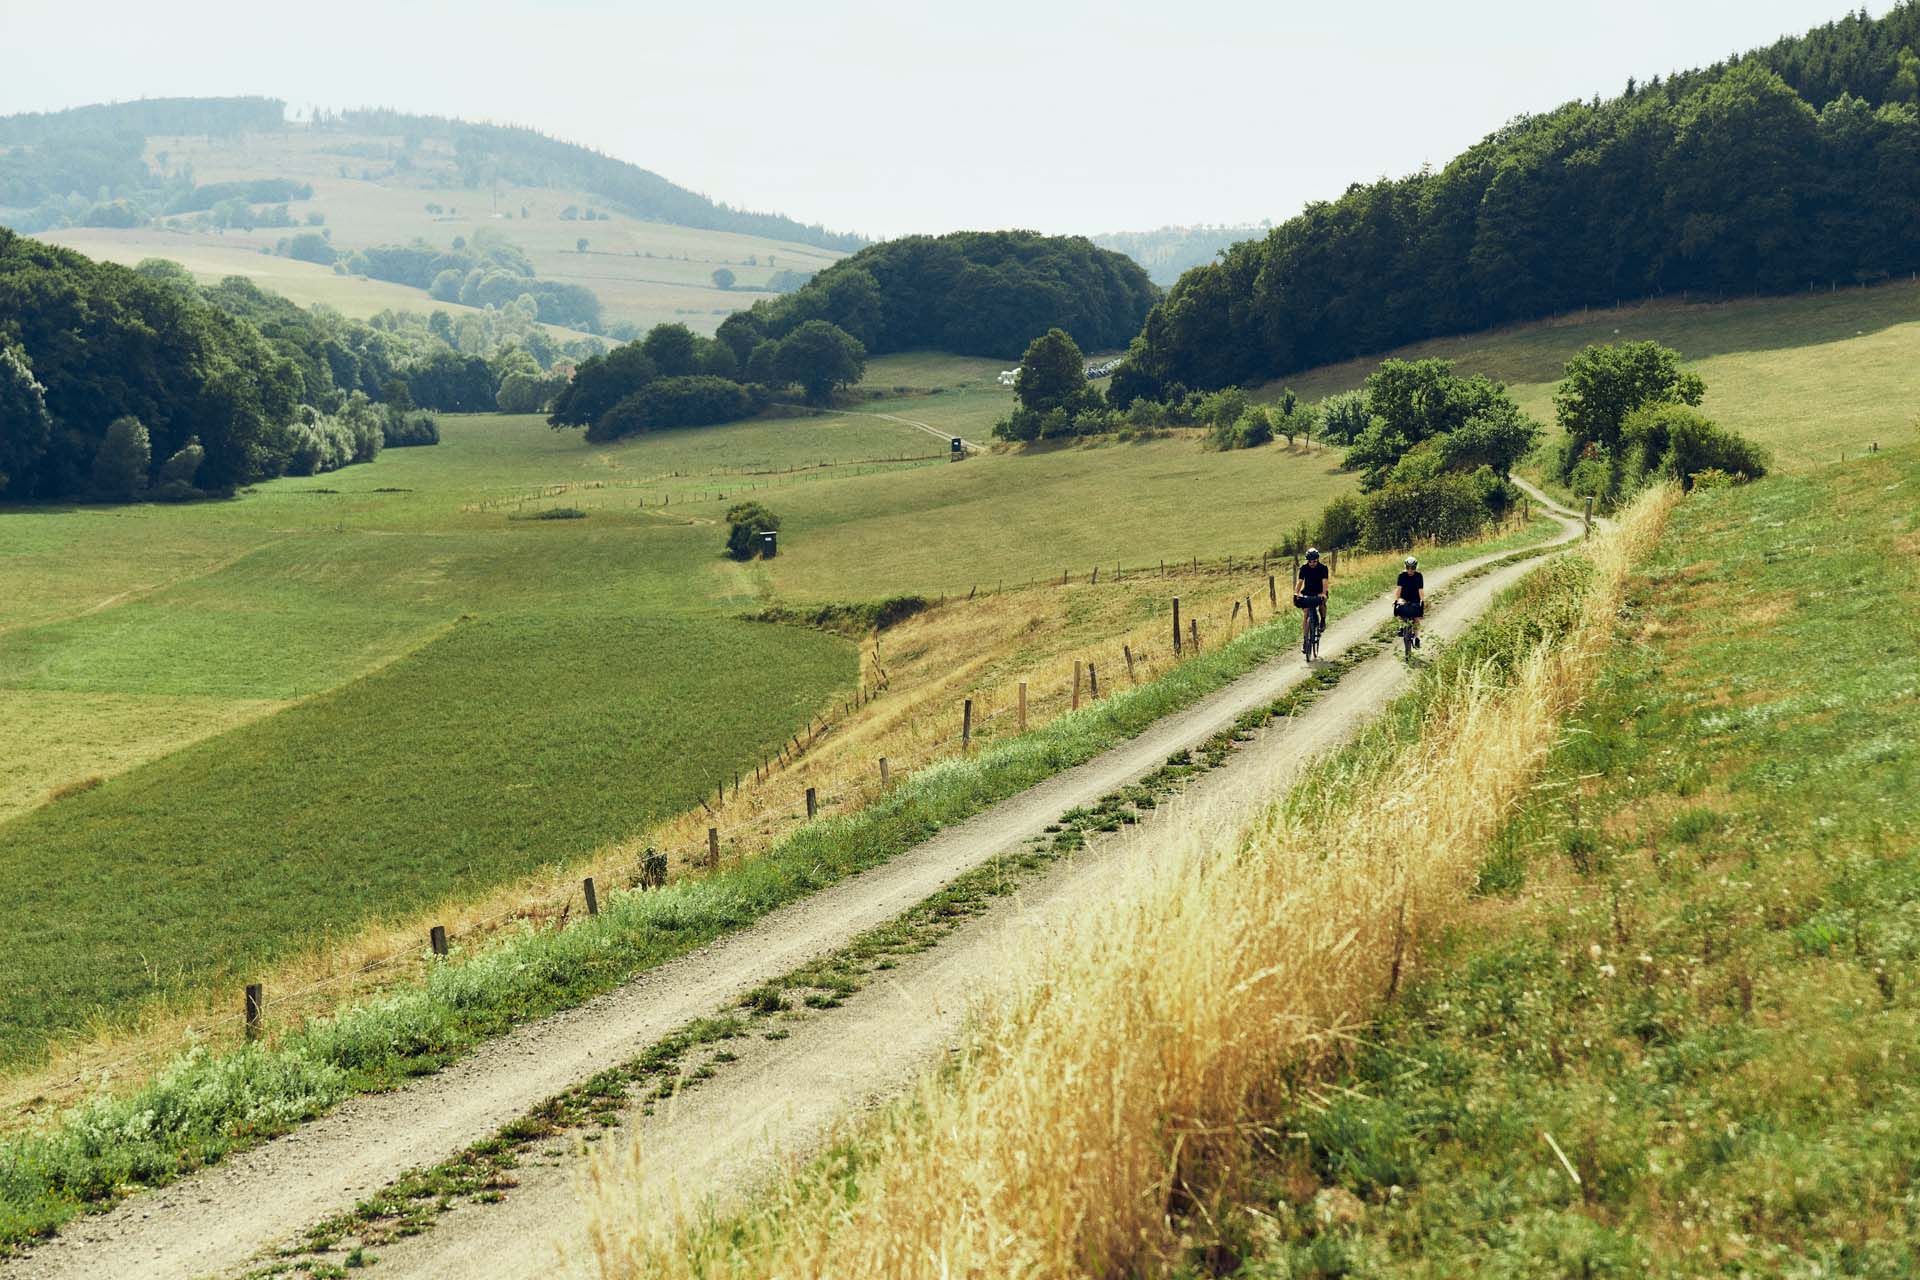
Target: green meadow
252 725
1809 376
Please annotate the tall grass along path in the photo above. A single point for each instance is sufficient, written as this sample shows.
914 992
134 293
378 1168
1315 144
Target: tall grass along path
215 1221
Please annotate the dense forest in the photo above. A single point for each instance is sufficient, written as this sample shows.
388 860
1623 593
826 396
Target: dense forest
87 166
981 293
118 382
1791 167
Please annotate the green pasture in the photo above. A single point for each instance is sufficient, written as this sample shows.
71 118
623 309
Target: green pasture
332 699
508 743
1807 375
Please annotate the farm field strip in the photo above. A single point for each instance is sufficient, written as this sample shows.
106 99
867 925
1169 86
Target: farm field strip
356 1148
238 615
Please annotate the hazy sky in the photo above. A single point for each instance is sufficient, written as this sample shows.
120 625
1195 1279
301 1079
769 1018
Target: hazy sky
889 118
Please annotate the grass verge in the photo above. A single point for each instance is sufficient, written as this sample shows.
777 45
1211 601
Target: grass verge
1678 1034
1131 1050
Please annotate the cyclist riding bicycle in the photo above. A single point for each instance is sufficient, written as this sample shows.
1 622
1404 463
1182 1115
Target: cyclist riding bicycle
1310 591
1410 598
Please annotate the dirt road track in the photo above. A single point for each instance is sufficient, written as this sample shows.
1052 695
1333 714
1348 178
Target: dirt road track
720 1136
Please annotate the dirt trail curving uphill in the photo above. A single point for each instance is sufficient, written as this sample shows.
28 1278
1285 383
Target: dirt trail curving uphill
782 1095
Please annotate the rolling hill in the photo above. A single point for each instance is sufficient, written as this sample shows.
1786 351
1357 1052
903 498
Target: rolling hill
225 186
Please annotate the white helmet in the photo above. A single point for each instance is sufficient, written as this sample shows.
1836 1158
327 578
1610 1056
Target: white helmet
1411 561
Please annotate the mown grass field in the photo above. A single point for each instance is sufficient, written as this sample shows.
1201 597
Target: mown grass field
1692 966
504 745
275 720
1807 375
644 272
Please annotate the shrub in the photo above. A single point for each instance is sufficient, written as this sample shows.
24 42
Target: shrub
406 430
120 467
1695 445
184 465
528 392
1447 508
744 520
1344 416
694 401
1252 429
319 442
1341 523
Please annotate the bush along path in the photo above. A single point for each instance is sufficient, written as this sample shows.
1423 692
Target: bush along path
699 944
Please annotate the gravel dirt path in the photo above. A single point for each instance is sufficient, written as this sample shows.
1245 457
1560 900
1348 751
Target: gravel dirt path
782 1096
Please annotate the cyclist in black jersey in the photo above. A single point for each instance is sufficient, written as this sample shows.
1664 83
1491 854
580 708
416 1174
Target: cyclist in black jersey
1410 598
1312 585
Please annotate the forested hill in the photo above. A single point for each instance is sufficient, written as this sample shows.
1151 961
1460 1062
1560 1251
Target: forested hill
1790 167
46 158
984 293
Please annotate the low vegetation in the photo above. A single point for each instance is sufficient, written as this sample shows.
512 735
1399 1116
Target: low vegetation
1138 1037
1676 1034
209 1103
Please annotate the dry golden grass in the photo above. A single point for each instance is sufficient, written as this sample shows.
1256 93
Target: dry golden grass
1138 1044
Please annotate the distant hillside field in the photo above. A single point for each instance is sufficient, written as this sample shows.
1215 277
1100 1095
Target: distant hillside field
1809 377
378 179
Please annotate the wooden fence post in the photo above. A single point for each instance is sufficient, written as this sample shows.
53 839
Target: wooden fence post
1193 633
1273 593
966 726
1076 686
593 899
1095 579
813 804
883 773
1023 706
437 939
1249 610
255 1001
1176 626
1589 518
1093 682
1127 653
713 847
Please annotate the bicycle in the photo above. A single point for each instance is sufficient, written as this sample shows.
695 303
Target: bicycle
1407 613
1313 624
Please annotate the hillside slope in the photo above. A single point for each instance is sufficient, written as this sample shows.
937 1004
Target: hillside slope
1811 376
229 187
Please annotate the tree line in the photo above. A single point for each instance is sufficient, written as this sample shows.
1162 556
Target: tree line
1791 166
982 293
674 377
242 383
